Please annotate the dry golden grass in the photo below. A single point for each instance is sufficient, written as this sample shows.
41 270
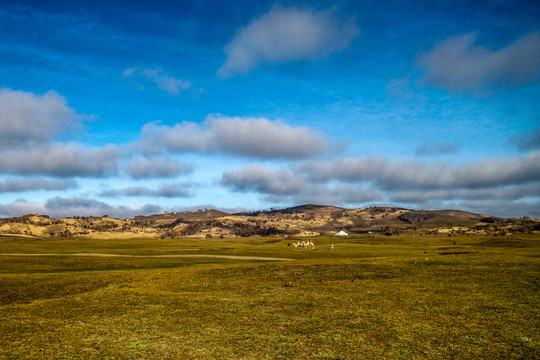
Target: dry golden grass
372 297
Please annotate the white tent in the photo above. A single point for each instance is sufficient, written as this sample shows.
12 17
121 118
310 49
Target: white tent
341 233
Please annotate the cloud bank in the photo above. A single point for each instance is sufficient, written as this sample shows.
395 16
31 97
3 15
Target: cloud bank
406 174
285 186
61 207
358 181
284 35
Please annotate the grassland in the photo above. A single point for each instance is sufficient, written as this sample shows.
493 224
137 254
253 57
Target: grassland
372 297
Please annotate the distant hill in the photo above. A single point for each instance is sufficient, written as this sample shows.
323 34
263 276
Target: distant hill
199 215
304 220
301 209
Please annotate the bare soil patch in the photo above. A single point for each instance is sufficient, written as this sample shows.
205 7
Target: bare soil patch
235 257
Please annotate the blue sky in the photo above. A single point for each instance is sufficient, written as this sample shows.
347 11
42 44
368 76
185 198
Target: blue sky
127 107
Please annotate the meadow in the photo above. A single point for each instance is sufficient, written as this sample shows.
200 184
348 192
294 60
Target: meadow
371 297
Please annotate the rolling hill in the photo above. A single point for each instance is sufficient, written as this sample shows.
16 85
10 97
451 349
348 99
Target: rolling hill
304 220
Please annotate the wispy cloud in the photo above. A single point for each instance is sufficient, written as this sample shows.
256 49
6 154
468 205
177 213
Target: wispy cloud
438 148
151 168
284 35
527 141
158 78
458 64
172 190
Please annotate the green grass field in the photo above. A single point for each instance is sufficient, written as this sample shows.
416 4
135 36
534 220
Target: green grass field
372 297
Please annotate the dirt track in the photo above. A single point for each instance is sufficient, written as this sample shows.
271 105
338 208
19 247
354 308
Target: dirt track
236 257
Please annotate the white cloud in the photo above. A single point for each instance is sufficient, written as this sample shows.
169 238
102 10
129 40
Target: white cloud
28 123
249 137
157 77
460 65
284 35
262 138
60 160
27 117
182 137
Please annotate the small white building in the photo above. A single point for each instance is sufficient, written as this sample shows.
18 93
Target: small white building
341 233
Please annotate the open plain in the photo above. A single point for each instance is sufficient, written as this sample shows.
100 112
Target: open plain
408 296
271 179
